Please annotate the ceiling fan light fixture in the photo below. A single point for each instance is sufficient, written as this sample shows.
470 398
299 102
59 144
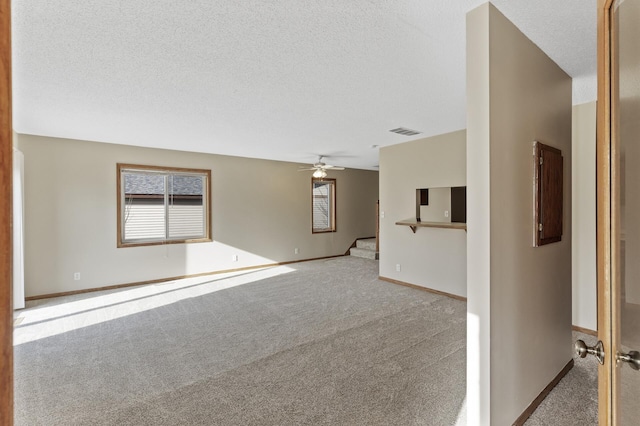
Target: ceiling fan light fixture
319 173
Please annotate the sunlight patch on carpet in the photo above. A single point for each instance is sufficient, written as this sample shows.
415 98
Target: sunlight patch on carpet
50 317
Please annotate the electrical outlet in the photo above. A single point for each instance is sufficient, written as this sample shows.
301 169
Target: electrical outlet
296 250
382 215
76 276
235 258
446 213
398 268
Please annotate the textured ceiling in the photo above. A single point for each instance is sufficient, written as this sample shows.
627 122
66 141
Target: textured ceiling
284 80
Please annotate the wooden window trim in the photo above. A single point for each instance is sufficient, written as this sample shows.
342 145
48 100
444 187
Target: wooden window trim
143 168
334 197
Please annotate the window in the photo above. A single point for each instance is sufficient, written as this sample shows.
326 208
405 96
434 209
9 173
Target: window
323 209
159 205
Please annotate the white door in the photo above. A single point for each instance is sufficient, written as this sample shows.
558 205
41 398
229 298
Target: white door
18 230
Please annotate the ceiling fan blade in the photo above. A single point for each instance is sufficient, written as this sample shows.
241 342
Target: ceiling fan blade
306 169
327 166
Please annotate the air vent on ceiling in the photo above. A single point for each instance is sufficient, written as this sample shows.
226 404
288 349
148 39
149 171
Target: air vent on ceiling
405 132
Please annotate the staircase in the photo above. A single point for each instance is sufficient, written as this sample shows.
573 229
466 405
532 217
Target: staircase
365 248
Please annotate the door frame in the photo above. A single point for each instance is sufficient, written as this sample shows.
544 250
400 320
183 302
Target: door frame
6 247
606 224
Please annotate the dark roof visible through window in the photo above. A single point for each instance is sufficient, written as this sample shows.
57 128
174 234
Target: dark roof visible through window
150 184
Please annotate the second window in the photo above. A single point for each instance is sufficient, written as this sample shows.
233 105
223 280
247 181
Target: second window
323 208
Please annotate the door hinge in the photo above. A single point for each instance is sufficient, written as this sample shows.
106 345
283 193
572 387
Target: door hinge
540 227
541 160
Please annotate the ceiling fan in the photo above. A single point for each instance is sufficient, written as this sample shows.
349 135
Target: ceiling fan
320 168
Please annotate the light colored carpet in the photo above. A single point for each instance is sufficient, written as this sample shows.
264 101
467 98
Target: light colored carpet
321 342
315 343
574 401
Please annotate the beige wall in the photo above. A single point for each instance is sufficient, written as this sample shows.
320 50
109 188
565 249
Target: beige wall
261 212
527 97
584 275
433 258
478 218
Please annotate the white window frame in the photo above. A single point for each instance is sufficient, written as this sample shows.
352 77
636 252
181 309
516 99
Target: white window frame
123 169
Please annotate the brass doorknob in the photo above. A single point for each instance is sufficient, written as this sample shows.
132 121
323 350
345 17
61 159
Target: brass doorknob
632 358
582 350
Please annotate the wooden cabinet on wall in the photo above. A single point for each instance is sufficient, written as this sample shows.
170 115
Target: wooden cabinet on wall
548 194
